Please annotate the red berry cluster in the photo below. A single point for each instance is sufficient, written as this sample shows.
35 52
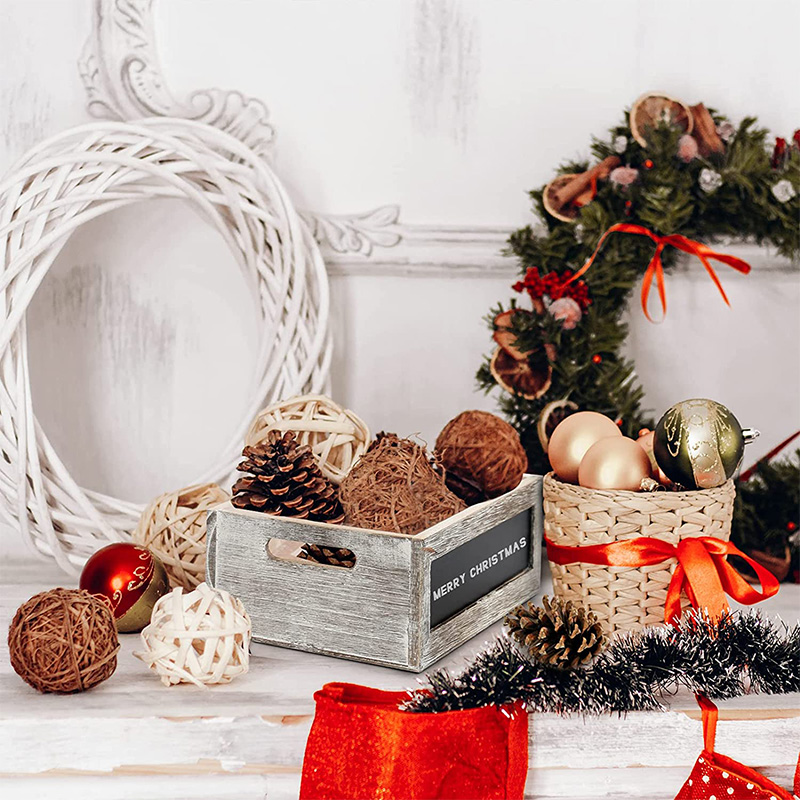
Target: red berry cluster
780 152
554 286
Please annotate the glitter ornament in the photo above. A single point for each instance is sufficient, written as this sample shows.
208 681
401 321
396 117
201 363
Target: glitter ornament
620 144
710 180
624 176
783 191
567 311
726 131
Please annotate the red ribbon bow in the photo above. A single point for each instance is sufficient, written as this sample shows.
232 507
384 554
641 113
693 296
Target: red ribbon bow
655 268
703 571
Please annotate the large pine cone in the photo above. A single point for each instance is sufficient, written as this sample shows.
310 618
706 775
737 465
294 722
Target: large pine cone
561 634
284 480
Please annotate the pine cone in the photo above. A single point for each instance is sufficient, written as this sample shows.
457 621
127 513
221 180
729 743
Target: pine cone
334 557
561 635
285 480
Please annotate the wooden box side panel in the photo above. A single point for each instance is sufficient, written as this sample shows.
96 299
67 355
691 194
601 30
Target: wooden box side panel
469 622
361 613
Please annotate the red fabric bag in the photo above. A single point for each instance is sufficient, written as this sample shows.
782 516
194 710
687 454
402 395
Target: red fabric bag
719 777
361 746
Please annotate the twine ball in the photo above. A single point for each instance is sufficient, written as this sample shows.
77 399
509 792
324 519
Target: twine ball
483 451
173 527
201 637
336 436
63 640
394 487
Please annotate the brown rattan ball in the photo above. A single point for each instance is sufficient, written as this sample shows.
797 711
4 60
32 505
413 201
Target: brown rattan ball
63 640
394 487
483 451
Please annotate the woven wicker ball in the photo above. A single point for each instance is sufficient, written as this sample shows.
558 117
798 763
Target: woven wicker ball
173 527
201 637
336 436
63 640
483 450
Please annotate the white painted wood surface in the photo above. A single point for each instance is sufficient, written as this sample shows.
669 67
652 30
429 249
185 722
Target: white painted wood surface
133 738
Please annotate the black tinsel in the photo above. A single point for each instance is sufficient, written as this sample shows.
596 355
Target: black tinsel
737 654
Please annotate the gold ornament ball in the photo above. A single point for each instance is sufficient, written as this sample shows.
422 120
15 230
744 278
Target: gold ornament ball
698 443
573 437
645 441
615 462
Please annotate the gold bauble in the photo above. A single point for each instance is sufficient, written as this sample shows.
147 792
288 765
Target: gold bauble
615 462
573 437
699 443
645 441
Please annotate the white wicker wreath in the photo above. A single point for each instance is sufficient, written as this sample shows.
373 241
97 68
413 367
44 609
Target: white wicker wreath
84 173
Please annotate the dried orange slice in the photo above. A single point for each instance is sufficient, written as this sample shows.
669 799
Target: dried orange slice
551 415
504 333
566 213
530 378
653 108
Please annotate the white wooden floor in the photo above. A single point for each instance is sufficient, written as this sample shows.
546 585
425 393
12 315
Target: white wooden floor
133 738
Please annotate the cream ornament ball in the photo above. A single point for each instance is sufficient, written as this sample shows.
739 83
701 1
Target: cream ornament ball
614 462
201 637
337 437
573 437
173 527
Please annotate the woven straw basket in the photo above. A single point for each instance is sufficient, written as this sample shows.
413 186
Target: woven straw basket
627 598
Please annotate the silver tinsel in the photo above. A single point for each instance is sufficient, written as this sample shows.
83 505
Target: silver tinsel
620 144
710 180
783 191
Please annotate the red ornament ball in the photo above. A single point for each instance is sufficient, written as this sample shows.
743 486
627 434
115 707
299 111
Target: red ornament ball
597 358
791 526
131 578
648 164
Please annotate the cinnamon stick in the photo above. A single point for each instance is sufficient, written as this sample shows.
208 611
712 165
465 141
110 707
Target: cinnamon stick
580 183
705 131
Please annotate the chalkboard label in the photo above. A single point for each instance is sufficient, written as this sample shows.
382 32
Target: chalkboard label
467 573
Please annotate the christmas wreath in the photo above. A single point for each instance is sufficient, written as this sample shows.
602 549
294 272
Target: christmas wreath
669 180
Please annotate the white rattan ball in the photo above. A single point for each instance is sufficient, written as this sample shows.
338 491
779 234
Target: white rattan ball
337 437
86 172
173 527
202 637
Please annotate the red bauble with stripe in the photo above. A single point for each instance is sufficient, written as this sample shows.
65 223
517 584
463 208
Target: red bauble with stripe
130 578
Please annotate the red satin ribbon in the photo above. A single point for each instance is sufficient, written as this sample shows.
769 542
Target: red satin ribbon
655 268
703 572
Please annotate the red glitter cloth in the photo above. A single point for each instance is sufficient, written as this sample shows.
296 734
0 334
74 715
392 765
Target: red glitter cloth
717 777
362 746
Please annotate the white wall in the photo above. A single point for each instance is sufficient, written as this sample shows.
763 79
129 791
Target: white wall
141 336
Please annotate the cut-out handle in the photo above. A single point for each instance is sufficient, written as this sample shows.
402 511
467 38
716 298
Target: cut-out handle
314 555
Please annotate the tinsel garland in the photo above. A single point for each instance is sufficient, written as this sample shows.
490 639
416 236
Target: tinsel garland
738 654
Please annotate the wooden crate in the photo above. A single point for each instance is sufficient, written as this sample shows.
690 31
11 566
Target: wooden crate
408 601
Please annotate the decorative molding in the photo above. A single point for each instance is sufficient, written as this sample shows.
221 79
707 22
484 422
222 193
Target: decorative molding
473 252
122 75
